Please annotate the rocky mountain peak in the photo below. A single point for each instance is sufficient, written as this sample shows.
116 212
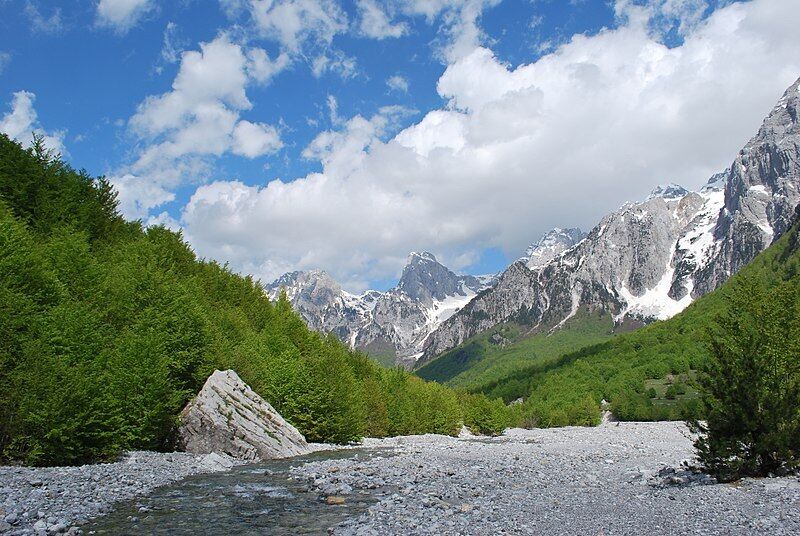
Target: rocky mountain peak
650 260
416 257
717 182
424 279
395 322
551 245
668 191
761 190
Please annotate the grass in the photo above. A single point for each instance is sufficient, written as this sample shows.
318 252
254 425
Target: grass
660 386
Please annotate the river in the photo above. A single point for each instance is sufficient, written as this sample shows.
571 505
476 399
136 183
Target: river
251 499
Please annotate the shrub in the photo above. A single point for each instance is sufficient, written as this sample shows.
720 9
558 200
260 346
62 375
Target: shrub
751 384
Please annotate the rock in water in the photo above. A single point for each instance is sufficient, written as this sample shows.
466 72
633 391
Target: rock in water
227 417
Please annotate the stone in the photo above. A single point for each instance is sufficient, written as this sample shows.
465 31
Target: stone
227 417
334 500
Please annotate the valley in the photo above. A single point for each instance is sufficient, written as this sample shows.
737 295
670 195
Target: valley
400 267
614 479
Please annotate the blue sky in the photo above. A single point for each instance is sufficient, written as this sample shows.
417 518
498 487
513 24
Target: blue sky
463 127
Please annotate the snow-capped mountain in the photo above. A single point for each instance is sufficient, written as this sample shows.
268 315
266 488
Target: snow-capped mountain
651 259
551 245
395 322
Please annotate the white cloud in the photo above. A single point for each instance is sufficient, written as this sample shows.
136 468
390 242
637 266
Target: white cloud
307 28
460 22
334 61
198 119
122 15
21 123
42 23
294 22
600 120
376 22
163 219
172 46
397 83
263 69
255 139
137 195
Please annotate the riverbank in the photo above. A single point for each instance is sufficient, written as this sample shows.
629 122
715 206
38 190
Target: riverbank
618 478
59 500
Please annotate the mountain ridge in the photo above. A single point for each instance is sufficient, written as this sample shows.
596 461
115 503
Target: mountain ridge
653 258
391 325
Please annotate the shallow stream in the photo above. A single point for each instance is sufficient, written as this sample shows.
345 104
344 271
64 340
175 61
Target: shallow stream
251 499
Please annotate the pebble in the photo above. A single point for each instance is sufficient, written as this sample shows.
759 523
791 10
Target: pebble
630 478
59 500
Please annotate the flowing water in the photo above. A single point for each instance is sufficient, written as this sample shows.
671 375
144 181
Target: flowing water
251 499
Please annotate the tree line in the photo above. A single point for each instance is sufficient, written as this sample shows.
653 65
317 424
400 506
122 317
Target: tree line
108 328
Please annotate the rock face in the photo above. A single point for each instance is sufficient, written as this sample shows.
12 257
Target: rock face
227 417
395 322
550 246
650 260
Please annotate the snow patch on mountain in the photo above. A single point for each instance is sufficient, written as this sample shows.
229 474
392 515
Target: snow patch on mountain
551 245
401 318
652 259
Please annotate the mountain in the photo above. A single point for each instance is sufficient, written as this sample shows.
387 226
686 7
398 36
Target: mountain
391 325
650 260
551 245
635 371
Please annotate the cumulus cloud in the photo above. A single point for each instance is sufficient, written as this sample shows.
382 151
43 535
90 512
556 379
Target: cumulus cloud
397 83
294 22
21 123
255 139
262 68
198 119
376 22
137 195
558 142
122 15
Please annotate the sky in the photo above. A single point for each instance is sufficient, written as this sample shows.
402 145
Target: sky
283 135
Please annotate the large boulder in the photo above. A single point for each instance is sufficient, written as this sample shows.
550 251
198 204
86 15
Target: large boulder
227 417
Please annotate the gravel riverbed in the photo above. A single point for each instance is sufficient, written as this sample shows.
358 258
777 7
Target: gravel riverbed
59 500
615 479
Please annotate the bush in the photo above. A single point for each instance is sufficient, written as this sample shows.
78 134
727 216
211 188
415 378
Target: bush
485 416
751 385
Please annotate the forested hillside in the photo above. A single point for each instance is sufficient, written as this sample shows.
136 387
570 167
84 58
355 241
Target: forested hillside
108 328
649 374
510 347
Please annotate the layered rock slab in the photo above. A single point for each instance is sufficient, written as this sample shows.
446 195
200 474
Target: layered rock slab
227 417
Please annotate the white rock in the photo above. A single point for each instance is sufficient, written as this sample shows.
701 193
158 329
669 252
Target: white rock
227 417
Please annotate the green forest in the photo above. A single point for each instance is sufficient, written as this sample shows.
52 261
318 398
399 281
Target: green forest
108 328
647 374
